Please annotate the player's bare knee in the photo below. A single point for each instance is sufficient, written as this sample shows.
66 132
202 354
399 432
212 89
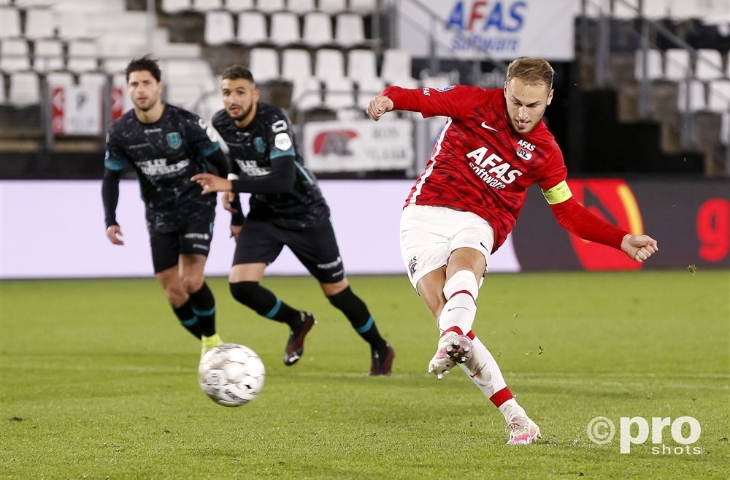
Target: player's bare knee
192 282
176 296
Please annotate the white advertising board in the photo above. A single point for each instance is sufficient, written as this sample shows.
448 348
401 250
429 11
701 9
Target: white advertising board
55 229
76 110
358 145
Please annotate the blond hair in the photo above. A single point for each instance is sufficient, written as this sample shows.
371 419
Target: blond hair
532 71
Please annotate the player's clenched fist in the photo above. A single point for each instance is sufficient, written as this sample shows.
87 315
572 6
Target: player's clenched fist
639 247
378 107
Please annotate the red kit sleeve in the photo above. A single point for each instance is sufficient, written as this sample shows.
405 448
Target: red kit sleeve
576 219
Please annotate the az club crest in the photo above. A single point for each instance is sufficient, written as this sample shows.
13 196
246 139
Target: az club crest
174 140
413 265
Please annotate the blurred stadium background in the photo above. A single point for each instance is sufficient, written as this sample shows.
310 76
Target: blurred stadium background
642 100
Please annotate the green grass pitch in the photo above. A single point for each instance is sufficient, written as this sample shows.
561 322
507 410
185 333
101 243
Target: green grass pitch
99 381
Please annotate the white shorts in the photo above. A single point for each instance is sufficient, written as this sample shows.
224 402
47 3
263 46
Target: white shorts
428 235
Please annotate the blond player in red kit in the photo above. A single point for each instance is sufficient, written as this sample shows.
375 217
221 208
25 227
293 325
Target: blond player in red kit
493 146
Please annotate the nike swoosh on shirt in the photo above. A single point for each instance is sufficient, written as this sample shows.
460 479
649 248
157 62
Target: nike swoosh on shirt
488 127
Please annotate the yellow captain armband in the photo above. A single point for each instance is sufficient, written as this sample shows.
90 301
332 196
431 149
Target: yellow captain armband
558 194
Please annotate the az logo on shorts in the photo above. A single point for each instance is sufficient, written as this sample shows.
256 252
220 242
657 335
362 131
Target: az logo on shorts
413 265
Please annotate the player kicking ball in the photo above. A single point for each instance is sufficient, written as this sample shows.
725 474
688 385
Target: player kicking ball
493 146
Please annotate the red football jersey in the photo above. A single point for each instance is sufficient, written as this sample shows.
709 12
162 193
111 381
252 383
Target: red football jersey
479 163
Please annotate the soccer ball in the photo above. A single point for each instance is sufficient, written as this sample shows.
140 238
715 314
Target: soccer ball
231 374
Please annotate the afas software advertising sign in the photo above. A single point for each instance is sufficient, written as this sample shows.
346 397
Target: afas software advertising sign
689 218
500 29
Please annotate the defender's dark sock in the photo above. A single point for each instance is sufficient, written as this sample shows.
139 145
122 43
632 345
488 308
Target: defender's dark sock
188 319
357 313
203 304
265 303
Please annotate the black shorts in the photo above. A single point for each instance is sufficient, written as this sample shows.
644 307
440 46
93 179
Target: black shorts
186 235
315 246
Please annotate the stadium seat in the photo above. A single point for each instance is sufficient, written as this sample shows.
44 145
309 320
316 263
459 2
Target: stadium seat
270 6
176 6
654 68
296 63
239 5
679 11
306 93
332 6
252 28
361 64
207 5
14 55
317 29
93 79
218 28
24 89
72 25
708 64
10 22
363 7
626 11
718 95
396 68
56 79
39 23
192 51
116 50
108 7
264 64
301 6
284 28
366 90
329 63
32 3
48 55
339 93
82 56
349 29
3 97
696 96
656 9
188 81
715 12
676 64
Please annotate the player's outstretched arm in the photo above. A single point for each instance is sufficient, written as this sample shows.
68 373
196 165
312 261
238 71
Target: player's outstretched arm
639 247
212 183
378 107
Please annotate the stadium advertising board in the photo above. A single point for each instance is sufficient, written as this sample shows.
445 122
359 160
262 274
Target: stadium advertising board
76 110
690 219
500 29
357 145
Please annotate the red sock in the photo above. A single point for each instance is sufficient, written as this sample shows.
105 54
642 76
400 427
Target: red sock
501 396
